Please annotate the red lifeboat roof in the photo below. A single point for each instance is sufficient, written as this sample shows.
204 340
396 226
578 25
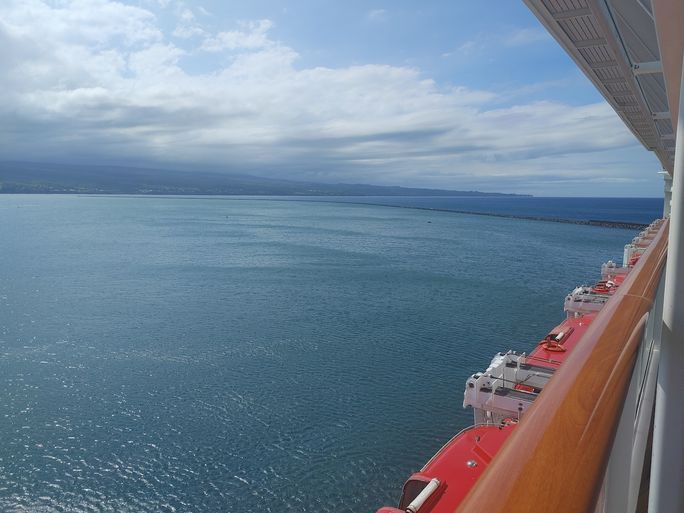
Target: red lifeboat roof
456 466
607 287
558 344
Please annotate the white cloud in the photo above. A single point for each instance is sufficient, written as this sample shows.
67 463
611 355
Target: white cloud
156 62
90 23
187 15
253 35
187 26
119 90
468 47
161 3
486 44
526 36
184 31
377 15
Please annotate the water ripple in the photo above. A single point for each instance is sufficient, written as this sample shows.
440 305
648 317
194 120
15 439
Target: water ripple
198 356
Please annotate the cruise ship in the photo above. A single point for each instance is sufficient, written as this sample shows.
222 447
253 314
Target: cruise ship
591 419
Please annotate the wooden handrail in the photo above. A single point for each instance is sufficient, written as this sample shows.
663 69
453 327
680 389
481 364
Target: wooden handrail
555 460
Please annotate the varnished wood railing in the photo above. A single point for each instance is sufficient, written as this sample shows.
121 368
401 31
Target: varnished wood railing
556 458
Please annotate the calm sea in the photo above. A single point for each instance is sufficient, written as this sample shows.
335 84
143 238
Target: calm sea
630 210
251 355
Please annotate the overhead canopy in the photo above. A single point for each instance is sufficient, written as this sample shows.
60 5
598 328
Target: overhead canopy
616 44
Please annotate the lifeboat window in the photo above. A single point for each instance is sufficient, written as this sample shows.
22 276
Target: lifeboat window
411 490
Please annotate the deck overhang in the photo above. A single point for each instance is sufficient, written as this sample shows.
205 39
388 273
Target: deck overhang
617 44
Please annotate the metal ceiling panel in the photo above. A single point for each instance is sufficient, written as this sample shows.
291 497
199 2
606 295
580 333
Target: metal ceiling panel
608 39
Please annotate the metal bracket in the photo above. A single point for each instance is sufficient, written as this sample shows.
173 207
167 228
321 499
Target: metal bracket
645 68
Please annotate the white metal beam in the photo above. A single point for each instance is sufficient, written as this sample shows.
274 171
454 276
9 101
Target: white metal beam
602 64
588 43
645 68
667 472
667 194
568 15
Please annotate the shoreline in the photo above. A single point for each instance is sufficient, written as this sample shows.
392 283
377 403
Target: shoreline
626 225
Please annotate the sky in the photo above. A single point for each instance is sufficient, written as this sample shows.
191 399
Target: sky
448 94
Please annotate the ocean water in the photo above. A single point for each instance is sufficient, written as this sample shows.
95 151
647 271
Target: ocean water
225 355
630 210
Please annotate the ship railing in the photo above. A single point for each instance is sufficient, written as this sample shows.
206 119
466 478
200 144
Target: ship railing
583 445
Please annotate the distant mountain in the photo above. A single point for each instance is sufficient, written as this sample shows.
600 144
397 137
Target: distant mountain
29 178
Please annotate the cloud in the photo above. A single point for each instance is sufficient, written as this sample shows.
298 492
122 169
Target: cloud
89 24
100 81
377 15
252 36
468 48
488 44
187 25
526 36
